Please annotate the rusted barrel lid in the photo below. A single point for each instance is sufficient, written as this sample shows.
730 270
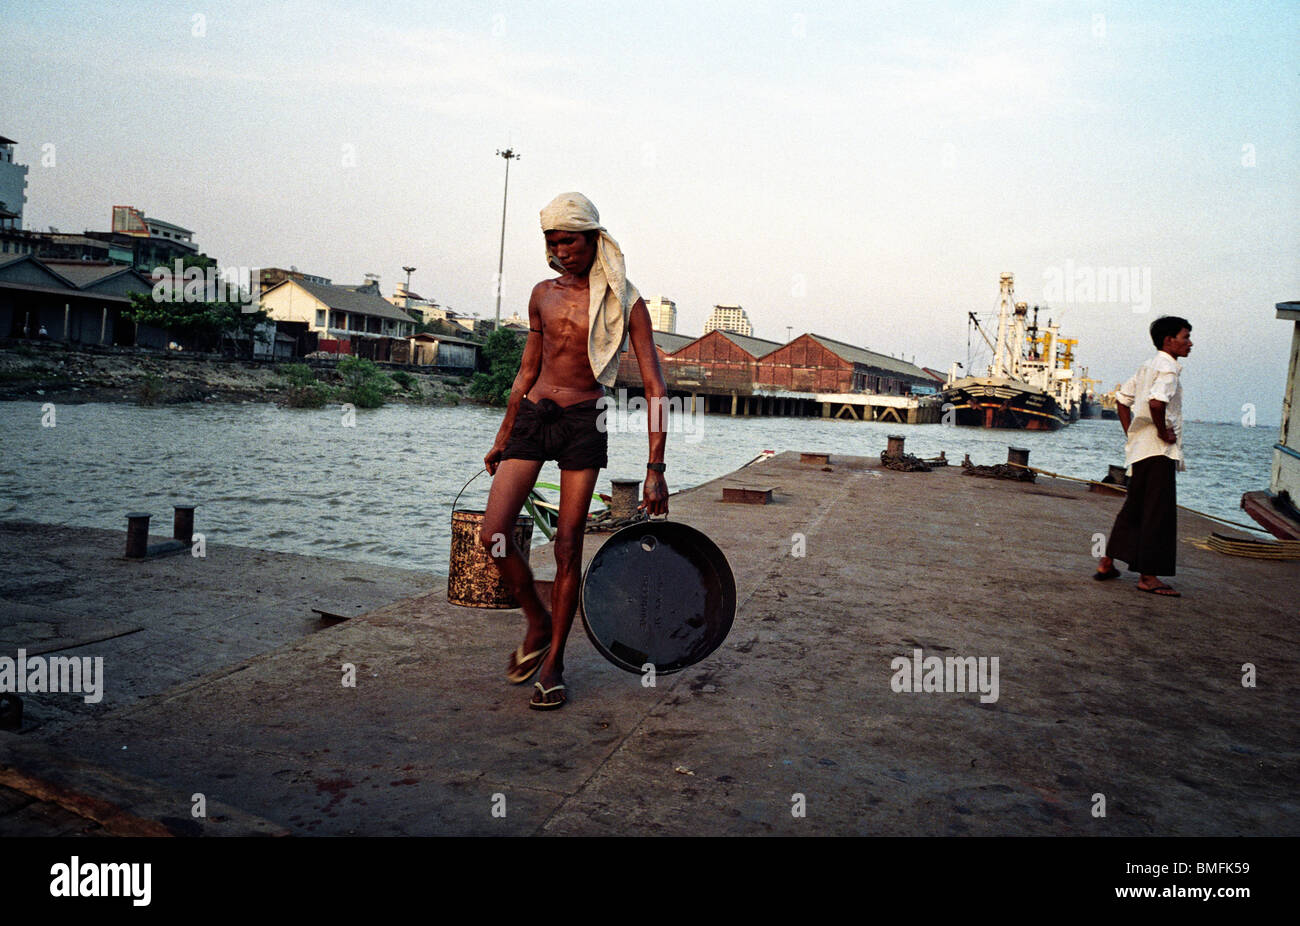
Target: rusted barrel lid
658 593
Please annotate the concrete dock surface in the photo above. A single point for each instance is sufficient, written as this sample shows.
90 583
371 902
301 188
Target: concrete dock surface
1116 712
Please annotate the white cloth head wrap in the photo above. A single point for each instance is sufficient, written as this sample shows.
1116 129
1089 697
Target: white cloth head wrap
612 295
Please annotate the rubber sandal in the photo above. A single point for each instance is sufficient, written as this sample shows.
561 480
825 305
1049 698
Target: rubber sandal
1164 591
521 667
544 705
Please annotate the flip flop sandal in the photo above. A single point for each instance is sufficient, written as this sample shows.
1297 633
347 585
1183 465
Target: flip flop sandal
1111 573
522 667
544 705
1164 591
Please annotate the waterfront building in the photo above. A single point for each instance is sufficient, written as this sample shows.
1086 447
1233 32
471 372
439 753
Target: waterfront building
136 240
666 343
816 364
15 241
444 352
13 186
663 314
729 318
340 319
78 302
160 229
413 304
271 276
721 360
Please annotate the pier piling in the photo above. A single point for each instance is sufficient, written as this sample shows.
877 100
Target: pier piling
137 534
183 523
622 503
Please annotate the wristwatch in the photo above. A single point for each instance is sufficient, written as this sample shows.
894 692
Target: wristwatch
655 467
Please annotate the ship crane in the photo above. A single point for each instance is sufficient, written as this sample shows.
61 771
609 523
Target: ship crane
1030 380
976 322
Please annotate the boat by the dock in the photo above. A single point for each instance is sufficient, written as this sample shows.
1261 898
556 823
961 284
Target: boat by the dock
1278 509
1000 402
1031 384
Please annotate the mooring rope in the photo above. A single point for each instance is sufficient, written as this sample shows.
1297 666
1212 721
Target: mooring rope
1255 549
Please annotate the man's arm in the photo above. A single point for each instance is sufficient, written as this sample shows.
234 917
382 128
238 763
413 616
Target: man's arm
1163 389
1125 396
1158 419
641 334
530 367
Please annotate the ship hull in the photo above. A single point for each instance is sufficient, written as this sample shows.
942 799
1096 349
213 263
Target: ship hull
1000 403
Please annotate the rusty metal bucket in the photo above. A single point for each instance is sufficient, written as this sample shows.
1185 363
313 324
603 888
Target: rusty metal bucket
472 578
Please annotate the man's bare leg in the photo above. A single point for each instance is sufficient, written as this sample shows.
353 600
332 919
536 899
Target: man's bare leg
576 486
513 481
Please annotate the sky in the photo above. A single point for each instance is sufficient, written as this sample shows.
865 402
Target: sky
865 171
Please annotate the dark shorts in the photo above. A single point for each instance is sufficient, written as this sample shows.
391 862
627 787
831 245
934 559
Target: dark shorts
569 435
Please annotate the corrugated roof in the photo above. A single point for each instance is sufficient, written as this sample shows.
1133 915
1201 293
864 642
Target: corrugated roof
83 273
44 268
868 357
670 342
345 299
444 339
758 347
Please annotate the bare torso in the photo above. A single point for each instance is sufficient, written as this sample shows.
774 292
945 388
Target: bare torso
565 376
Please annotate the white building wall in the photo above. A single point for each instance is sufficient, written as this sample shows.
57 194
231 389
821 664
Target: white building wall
13 183
291 303
663 314
729 318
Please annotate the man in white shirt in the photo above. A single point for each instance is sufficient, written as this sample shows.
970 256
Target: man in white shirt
1150 408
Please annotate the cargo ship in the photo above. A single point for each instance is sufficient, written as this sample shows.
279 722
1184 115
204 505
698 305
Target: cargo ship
1031 384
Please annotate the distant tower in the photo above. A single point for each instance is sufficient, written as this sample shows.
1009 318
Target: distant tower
13 186
729 318
663 314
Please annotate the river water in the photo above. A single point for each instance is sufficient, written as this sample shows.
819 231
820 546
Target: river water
381 491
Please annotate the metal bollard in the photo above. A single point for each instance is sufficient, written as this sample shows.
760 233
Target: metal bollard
183 523
623 498
1018 456
895 448
137 534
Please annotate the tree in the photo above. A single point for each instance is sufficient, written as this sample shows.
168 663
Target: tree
503 351
187 306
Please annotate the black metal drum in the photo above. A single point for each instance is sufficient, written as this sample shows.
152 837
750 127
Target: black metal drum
658 592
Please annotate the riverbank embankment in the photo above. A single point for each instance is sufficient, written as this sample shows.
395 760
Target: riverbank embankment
1115 712
54 371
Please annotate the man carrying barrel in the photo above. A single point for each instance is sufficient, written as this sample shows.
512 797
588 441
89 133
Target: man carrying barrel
577 323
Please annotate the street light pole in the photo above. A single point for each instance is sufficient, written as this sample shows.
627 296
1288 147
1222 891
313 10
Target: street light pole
409 271
509 155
